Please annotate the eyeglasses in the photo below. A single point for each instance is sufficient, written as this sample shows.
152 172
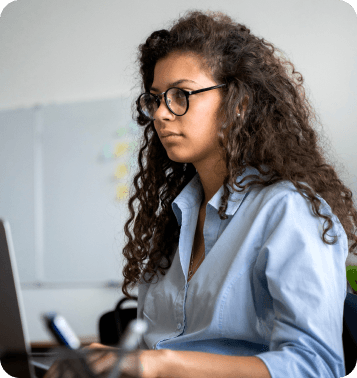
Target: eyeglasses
176 100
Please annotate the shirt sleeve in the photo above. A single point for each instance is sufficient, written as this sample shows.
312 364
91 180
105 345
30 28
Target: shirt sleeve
306 279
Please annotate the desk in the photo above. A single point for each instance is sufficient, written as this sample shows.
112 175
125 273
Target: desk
40 346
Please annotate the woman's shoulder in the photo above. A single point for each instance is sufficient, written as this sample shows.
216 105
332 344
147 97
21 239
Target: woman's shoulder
279 192
285 195
284 191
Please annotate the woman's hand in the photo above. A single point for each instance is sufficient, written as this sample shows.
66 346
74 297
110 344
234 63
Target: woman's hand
101 360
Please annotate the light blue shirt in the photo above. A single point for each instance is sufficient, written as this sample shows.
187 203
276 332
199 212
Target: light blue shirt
268 287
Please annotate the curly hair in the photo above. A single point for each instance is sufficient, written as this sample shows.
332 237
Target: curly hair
275 131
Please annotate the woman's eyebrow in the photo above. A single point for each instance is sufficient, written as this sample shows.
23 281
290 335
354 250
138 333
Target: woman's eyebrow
170 85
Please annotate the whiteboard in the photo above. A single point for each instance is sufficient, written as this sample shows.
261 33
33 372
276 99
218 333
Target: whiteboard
17 184
63 188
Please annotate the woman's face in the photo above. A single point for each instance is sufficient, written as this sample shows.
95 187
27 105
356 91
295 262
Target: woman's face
197 140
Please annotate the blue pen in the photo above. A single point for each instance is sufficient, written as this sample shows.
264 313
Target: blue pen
61 330
64 334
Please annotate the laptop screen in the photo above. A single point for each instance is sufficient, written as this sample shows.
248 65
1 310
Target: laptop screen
14 340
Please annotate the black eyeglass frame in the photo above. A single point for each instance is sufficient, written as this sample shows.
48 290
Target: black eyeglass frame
187 94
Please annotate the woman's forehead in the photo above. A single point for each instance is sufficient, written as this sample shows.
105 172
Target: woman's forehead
180 68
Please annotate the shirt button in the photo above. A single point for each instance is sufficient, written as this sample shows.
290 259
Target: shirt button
179 326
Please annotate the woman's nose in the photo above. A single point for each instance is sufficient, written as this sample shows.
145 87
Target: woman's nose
163 111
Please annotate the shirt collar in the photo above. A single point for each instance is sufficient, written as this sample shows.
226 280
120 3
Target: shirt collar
192 194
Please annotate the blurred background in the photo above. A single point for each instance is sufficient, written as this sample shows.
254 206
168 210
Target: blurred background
68 144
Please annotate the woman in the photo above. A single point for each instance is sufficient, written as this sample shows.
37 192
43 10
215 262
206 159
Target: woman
240 230
244 189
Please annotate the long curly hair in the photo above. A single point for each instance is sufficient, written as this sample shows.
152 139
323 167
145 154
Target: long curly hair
275 131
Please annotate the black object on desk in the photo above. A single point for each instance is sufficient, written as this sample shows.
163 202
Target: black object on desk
113 323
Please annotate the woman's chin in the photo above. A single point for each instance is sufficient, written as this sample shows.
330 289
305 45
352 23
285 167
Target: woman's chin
178 158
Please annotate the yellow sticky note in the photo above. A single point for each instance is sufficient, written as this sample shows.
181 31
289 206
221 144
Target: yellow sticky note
121 171
120 148
122 191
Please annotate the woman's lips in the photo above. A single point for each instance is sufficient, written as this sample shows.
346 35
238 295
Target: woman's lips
171 136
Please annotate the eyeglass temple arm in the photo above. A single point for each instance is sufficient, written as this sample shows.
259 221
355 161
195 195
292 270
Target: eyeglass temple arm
190 92
206 89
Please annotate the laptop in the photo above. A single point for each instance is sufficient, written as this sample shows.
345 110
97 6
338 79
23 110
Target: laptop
14 339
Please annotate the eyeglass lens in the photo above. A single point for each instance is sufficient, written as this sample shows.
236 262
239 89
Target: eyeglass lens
176 101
